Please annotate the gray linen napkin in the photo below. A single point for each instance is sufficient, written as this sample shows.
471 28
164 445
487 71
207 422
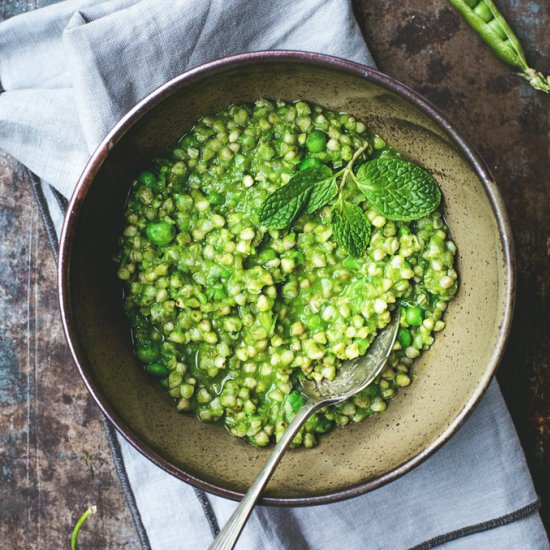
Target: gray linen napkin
67 74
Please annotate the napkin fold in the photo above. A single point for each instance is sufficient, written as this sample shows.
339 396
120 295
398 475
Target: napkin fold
68 72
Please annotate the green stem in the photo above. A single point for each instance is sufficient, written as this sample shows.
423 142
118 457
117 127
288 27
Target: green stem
349 167
354 178
89 511
536 79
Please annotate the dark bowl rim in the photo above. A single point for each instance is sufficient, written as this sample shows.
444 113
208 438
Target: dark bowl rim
293 57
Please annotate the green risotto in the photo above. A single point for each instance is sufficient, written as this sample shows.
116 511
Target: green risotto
270 244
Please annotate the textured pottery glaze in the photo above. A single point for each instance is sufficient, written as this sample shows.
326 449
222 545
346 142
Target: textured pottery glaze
450 378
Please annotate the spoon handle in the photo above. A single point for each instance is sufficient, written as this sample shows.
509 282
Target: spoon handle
229 535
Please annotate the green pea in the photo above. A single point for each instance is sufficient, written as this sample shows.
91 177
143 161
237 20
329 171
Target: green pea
179 169
137 206
296 400
315 322
310 162
482 11
363 345
316 141
497 27
157 369
378 142
179 154
216 198
248 141
267 255
160 233
351 263
414 316
148 179
298 256
225 272
147 351
323 424
404 337
216 294
188 141
265 151
311 424
404 230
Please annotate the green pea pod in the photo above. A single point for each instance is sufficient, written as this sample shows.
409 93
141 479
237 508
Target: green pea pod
483 16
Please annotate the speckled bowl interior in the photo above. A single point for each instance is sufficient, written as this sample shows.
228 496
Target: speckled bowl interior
450 378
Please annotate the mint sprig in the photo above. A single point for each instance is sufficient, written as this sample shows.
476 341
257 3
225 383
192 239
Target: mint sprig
398 189
350 227
321 194
283 205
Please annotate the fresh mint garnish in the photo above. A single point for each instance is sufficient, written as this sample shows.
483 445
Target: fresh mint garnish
398 189
283 205
321 194
350 227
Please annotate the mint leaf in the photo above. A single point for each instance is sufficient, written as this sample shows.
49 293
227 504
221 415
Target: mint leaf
350 227
398 189
283 205
321 194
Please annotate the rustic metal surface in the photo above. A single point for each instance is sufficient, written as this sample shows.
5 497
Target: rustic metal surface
48 422
54 460
426 45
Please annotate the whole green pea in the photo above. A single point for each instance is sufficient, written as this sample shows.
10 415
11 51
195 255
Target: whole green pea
267 255
404 337
323 424
217 294
247 141
314 322
414 316
404 230
316 141
351 263
310 162
363 344
147 351
157 369
296 400
482 11
188 141
160 233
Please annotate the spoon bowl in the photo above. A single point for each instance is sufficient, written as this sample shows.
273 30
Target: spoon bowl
356 374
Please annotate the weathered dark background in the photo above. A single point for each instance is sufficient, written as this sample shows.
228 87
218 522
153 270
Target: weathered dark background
54 460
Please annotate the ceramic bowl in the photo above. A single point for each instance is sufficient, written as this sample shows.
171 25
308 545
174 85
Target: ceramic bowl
450 378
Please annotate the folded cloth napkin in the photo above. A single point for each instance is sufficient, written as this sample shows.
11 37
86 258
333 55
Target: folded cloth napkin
68 72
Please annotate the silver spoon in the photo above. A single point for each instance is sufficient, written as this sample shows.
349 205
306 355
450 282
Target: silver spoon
352 377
